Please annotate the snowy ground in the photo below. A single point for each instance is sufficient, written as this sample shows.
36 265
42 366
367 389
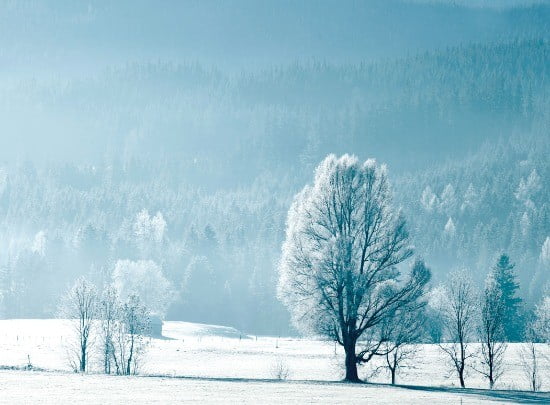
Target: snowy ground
211 352
25 387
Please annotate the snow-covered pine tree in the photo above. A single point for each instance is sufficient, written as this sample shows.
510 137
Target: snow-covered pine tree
505 279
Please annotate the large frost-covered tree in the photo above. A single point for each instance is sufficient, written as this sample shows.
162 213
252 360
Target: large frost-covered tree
541 324
145 279
344 239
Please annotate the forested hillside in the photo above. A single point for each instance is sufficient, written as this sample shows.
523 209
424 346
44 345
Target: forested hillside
192 169
465 212
407 112
168 140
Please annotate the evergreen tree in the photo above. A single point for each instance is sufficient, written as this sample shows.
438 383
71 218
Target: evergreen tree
505 278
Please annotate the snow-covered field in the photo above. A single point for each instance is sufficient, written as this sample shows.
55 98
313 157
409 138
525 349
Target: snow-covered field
218 353
27 387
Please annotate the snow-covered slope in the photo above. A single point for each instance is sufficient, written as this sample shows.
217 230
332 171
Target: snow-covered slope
180 330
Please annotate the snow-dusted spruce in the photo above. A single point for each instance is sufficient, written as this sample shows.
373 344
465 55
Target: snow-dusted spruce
506 282
491 331
343 241
79 305
459 316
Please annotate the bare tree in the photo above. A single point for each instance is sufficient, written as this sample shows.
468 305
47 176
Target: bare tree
530 361
491 332
404 332
130 336
109 313
80 306
458 310
343 242
136 318
280 369
120 348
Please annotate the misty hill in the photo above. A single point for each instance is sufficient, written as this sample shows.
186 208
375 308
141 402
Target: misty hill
51 38
209 161
408 112
174 135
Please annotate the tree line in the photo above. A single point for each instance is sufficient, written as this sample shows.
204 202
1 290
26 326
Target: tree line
342 275
117 327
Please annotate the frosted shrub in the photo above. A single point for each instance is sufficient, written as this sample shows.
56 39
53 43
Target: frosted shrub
280 369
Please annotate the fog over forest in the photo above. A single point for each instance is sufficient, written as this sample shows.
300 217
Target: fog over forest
168 139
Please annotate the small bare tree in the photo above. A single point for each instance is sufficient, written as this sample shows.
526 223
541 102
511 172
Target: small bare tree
458 311
280 369
136 318
109 311
530 362
491 332
130 336
404 332
80 306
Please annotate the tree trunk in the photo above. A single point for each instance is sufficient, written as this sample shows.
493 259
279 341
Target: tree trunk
461 376
491 363
129 365
117 367
393 365
462 362
491 379
107 359
351 363
83 359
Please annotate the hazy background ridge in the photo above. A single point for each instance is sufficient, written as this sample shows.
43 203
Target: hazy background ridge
213 114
